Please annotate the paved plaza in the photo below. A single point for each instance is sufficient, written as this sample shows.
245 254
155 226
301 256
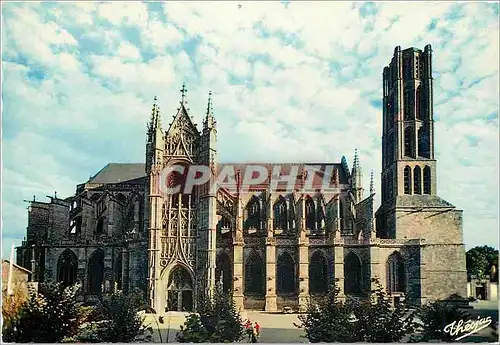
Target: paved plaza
279 328
275 328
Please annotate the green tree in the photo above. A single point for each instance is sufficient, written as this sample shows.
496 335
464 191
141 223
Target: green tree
48 316
193 331
218 321
116 319
329 319
373 319
480 261
434 318
378 321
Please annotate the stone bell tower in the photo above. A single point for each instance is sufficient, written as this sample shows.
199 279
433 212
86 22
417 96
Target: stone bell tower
411 209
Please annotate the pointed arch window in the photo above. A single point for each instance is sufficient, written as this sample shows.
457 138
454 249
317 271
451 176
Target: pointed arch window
254 275
406 68
253 214
423 142
352 274
318 274
320 219
286 274
396 273
407 180
224 272
67 266
409 141
310 214
427 180
417 180
100 226
407 105
418 110
223 226
280 214
95 276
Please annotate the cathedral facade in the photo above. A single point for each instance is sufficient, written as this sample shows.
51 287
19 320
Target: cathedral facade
270 247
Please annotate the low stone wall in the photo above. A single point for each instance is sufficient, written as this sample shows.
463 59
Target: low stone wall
254 302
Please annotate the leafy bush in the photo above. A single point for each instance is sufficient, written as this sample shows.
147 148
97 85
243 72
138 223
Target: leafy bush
378 321
329 320
47 317
370 320
434 318
193 331
116 319
218 321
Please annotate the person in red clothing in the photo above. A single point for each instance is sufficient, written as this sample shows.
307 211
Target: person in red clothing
257 329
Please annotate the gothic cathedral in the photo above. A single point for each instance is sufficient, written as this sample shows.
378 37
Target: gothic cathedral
269 247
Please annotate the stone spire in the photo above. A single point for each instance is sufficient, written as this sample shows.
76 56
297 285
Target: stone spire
158 118
357 178
356 159
152 120
209 119
372 188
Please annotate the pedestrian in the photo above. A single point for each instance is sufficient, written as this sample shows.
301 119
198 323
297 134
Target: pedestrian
253 336
249 329
257 329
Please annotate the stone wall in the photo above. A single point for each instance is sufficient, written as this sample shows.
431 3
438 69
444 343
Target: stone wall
436 226
443 271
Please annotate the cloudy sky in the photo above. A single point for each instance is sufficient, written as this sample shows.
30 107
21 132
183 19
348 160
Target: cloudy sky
291 82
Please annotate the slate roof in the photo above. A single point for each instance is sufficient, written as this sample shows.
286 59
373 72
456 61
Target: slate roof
422 201
119 172
285 169
7 262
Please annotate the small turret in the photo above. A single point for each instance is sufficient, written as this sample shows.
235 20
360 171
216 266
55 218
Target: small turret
372 187
357 178
209 122
152 121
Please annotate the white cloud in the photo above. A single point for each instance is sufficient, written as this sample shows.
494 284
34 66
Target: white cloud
160 36
128 51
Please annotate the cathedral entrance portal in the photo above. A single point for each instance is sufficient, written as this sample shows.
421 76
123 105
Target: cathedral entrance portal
179 290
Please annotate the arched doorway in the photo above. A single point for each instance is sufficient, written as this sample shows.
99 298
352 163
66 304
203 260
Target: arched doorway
318 274
254 275
95 275
179 290
224 271
352 274
67 266
286 274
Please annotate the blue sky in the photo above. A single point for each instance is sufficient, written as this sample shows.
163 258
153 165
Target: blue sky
291 82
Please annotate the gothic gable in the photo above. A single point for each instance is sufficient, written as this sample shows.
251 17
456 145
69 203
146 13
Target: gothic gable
182 135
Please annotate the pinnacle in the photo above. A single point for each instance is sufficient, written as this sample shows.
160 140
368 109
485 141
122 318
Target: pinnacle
183 93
